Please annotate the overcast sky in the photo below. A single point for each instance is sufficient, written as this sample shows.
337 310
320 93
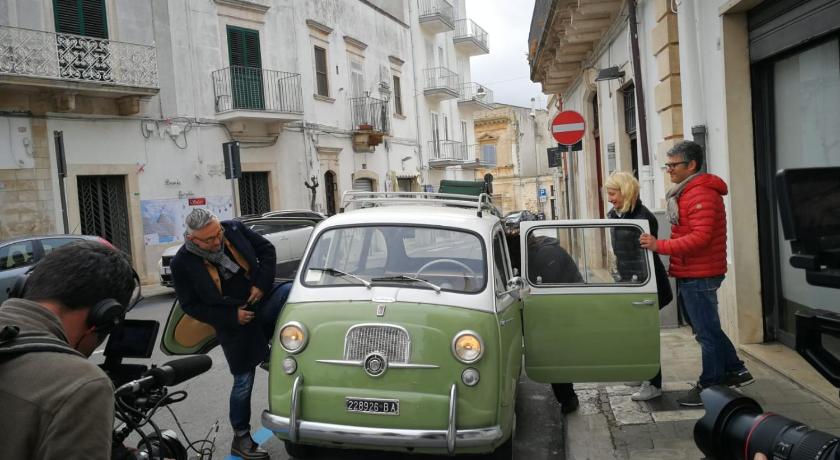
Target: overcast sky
505 70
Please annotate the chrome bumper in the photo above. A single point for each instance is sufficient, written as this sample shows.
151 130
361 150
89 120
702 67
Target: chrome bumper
301 430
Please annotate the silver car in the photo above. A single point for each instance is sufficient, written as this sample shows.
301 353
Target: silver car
17 255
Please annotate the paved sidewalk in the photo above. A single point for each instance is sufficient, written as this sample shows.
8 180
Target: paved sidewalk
609 425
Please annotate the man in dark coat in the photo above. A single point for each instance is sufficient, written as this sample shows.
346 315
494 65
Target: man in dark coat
224 276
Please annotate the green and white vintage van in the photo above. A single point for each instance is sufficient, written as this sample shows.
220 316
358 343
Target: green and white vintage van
407 325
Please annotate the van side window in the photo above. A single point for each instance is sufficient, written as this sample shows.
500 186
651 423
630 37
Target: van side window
500 263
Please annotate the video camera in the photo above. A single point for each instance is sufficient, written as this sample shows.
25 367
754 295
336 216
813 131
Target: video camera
735 426
141 391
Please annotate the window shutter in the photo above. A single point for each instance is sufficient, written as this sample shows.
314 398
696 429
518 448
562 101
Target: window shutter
67 17
244 47
94 22
81 17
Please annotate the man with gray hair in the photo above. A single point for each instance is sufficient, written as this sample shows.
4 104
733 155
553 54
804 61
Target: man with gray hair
224 276
698 261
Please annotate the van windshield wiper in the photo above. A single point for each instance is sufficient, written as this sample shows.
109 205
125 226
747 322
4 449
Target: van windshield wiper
406 278
335 272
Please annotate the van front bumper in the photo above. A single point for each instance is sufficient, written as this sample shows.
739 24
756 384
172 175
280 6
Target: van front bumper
296 430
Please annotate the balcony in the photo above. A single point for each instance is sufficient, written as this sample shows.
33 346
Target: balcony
441 84
475 97
369 116
250 93
469 38
436 16
83 65
483 157
446 153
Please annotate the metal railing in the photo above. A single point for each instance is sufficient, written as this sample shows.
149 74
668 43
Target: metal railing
467 28
369 114
473 91
252 88
441 78
36 53
442 8
447 150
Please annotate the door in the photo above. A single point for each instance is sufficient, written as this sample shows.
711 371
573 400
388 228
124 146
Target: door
330 187
103 209
592 314
508 309
245 68
253 193
185 335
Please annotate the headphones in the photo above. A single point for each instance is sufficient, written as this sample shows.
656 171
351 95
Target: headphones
104 316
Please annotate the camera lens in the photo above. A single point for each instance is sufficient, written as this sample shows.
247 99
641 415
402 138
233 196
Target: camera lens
735 428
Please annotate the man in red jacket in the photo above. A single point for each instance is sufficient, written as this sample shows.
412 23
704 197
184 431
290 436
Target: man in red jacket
698 261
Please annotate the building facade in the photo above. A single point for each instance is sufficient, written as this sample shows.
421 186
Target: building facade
116 111
512 145
756 83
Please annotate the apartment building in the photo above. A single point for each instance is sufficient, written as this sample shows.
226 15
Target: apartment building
113 113
756 83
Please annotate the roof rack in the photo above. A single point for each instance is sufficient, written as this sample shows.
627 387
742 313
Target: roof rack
357 199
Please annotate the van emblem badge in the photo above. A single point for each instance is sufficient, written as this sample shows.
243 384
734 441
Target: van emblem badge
380 310
375 364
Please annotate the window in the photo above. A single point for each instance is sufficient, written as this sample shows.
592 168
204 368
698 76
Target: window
500 263
630 125
321 79
357 76
405 184
488 153
398 108
81 17
579 255
16 255
54 243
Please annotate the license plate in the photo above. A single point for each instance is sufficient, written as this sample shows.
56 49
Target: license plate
373 406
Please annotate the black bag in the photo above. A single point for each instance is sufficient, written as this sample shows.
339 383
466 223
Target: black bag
663 284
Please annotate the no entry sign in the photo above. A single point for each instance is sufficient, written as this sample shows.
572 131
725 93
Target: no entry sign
568 127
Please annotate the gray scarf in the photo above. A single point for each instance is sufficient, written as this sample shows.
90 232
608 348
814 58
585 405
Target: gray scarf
227 267
673 197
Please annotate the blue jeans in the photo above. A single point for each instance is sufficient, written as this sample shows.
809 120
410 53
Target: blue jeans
699 299
240 395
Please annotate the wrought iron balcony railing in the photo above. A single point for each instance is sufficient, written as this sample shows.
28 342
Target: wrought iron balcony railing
449 151
468 29
473 91
441 78
433 8
369 114
40 54
252 88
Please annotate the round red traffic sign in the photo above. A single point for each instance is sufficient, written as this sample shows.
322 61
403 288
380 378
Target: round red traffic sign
568 127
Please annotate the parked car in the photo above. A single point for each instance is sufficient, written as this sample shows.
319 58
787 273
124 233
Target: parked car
288 235
17 255
512 220
404 328
296 213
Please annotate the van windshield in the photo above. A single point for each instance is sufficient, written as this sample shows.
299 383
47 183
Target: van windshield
411 257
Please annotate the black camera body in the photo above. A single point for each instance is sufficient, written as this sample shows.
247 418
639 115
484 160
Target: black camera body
735 426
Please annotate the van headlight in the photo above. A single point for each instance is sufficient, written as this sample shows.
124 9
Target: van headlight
467 347
293 337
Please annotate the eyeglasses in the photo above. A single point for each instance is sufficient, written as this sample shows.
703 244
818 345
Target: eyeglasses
670 166
213 238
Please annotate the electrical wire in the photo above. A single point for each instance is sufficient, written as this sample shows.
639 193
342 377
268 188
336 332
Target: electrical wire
190 444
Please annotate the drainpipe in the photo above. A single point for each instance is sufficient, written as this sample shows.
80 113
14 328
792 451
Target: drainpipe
640 93
416 98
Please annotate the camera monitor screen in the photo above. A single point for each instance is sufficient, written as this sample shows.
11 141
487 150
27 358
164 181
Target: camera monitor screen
809 202
133 338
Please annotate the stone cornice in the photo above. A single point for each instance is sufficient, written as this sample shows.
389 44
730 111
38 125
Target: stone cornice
326 30
250 5
396 61
355 42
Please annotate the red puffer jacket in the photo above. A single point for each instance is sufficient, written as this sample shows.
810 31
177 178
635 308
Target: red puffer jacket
698 243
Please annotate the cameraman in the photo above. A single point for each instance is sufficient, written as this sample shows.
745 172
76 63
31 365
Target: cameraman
56 404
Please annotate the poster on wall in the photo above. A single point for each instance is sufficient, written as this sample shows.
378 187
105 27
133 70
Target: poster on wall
163 220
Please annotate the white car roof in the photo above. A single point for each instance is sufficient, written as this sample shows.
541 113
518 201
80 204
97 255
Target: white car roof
463 218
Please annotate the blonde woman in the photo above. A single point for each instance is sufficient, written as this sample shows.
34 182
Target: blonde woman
623 193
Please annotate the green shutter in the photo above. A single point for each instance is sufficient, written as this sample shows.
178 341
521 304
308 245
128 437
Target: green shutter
81 17
245 68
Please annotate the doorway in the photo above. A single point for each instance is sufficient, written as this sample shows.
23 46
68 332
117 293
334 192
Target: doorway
330 188
103 209
253 193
